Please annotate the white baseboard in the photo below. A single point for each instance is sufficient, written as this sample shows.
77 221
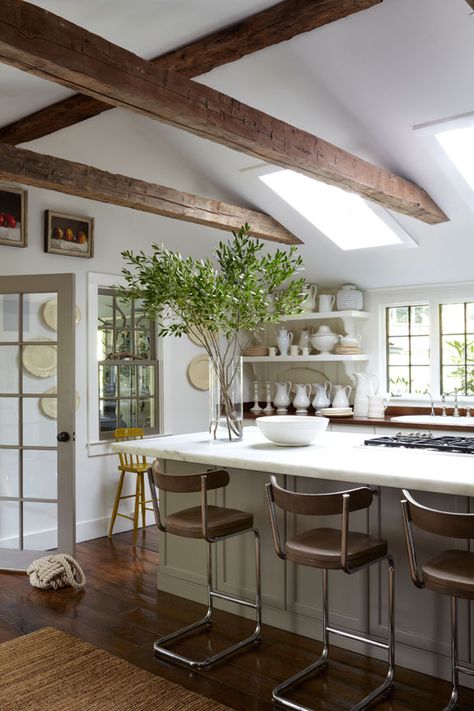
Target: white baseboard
85 531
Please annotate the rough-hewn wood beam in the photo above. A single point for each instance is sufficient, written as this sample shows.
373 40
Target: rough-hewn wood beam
48 46
276 24
470 3
43 171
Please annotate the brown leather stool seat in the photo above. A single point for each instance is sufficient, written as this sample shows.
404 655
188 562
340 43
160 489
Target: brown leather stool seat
451 572
220 522
321 548
211 524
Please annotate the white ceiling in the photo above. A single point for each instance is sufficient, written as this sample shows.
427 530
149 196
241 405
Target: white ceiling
362 83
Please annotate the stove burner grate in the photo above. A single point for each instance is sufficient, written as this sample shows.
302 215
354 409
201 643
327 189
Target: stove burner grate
417 440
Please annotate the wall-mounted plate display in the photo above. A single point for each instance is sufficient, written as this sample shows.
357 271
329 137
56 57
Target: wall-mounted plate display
194 338
50 314
49 405
40 360
198 372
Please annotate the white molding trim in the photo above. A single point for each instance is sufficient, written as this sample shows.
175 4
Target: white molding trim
95 446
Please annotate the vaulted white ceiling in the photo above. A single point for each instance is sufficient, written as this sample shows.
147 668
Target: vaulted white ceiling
362 83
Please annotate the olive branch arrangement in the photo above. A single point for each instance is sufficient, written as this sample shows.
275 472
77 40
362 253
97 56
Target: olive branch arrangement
223 302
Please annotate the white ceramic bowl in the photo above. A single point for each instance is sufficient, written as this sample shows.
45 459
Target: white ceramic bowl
291 430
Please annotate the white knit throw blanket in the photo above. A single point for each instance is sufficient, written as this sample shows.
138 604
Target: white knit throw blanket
56 571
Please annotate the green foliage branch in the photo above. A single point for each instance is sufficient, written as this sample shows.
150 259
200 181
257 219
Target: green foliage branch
222 302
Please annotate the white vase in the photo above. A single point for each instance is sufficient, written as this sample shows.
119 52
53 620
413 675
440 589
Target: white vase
366 385
349 298
226 414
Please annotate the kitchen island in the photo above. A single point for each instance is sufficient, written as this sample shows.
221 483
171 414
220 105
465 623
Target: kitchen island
291 594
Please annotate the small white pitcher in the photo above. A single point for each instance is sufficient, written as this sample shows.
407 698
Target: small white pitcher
284 340
282 397
302 398
326 302
377 406
341 395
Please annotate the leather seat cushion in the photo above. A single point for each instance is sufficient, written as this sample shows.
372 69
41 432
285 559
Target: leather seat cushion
321 548
221 522
452 573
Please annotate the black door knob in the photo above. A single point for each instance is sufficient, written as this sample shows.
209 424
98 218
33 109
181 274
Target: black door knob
63 437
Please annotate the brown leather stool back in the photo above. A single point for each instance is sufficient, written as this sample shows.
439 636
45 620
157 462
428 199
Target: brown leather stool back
320 504
188 483
441 523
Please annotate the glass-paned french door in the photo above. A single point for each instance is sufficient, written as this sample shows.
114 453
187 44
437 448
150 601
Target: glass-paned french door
37 417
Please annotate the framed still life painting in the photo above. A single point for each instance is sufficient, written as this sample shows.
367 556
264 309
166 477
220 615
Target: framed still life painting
70 235
13 214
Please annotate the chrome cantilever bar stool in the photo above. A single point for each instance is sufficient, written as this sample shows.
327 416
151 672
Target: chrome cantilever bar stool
450 572
212 524
332 549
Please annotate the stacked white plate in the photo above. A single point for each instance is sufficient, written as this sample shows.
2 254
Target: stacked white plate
336 411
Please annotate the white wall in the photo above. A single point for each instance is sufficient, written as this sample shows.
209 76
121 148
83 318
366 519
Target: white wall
114 144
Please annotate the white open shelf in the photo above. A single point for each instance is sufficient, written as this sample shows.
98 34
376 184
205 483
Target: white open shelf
322 357
317 316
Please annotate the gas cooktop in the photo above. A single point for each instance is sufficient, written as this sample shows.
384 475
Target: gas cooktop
419 440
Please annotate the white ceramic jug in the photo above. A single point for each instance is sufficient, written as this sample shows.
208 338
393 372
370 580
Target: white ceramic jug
326 302
377 405
301 401
322 392
282 396
366 385
284 340
309 304
341 395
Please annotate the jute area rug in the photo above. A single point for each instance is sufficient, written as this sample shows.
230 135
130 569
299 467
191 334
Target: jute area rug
49 670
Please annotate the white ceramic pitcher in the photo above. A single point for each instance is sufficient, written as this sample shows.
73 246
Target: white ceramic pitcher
282 396
322 392
366 385
309 304
284 340
301 401
341 395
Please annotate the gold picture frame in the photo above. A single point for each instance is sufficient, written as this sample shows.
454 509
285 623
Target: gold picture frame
69 235
13 216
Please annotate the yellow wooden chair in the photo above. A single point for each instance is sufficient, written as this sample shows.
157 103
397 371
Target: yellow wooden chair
133 464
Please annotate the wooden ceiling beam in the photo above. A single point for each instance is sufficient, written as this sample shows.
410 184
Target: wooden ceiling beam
470 3
48 46
276 24
42 171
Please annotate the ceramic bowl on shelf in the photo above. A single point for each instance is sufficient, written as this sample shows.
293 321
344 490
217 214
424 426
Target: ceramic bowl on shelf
291 430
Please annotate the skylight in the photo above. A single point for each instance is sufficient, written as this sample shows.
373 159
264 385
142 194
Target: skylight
458 143
345 218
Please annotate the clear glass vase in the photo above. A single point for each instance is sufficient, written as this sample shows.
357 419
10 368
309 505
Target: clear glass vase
226 413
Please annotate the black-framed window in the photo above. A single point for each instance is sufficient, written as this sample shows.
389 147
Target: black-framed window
128 367
457 347
408 349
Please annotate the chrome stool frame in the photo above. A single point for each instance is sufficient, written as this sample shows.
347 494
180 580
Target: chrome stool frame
327 629
159 647
443 523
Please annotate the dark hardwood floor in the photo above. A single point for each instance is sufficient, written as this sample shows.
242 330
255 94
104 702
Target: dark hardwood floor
121 611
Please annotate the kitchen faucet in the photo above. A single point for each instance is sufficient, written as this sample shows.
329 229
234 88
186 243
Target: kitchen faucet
432 413
443 405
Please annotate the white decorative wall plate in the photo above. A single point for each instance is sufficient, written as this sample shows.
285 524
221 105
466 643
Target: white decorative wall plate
49 405
50 314
198 372
40 360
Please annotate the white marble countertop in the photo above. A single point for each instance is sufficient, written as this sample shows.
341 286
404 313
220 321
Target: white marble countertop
335 455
